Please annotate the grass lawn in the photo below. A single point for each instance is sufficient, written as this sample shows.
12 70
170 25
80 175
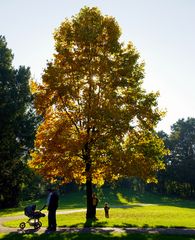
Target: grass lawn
135 216
115 197
73 200
124 212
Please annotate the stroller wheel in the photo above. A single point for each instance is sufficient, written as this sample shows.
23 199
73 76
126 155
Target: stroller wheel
22 225
38 225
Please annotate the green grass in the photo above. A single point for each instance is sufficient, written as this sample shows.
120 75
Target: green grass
73 200
115 197
165 212
136 216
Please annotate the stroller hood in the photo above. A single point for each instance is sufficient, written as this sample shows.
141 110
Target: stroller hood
29 210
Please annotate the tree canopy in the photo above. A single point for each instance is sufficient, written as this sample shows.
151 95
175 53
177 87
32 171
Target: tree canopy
180 163
98 121
16 123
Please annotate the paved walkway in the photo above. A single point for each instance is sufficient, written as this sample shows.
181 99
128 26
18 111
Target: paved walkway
177 231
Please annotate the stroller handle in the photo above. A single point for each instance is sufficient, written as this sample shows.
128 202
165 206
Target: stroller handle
42 207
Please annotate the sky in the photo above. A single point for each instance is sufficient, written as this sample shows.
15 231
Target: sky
163 32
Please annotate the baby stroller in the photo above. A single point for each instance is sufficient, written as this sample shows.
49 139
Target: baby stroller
34 217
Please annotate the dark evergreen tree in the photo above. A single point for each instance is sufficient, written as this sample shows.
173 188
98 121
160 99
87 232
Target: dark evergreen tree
17 126
182 158
178 178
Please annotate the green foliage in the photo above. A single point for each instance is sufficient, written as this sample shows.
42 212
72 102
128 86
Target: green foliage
182 146
179 176
17 124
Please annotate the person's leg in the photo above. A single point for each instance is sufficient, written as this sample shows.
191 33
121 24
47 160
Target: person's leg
49 220
53 220
107 214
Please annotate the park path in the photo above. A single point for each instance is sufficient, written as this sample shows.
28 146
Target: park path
4 229
176 231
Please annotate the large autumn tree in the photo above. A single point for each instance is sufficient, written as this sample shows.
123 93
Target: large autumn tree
98 120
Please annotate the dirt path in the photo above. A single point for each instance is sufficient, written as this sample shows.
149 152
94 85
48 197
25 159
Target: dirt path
177 231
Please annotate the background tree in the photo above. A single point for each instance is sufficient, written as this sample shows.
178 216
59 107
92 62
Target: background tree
98 120
178 178
182 158
17 126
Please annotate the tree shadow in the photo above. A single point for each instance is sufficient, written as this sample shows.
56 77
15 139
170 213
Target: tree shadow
134 199
94 223
88 223
94 235
126 225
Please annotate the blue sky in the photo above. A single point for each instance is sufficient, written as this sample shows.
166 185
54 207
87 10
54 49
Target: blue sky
163 31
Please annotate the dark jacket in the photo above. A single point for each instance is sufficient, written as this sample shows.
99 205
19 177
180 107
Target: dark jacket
53 202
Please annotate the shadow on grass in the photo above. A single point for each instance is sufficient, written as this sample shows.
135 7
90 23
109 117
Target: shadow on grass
127 225
119 198
89 223
94 236
92 223
126 198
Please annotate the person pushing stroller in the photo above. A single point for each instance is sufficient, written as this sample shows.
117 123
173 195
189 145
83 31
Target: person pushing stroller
52 205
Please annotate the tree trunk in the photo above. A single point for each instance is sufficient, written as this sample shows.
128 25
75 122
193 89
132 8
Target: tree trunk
90 212
89 189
